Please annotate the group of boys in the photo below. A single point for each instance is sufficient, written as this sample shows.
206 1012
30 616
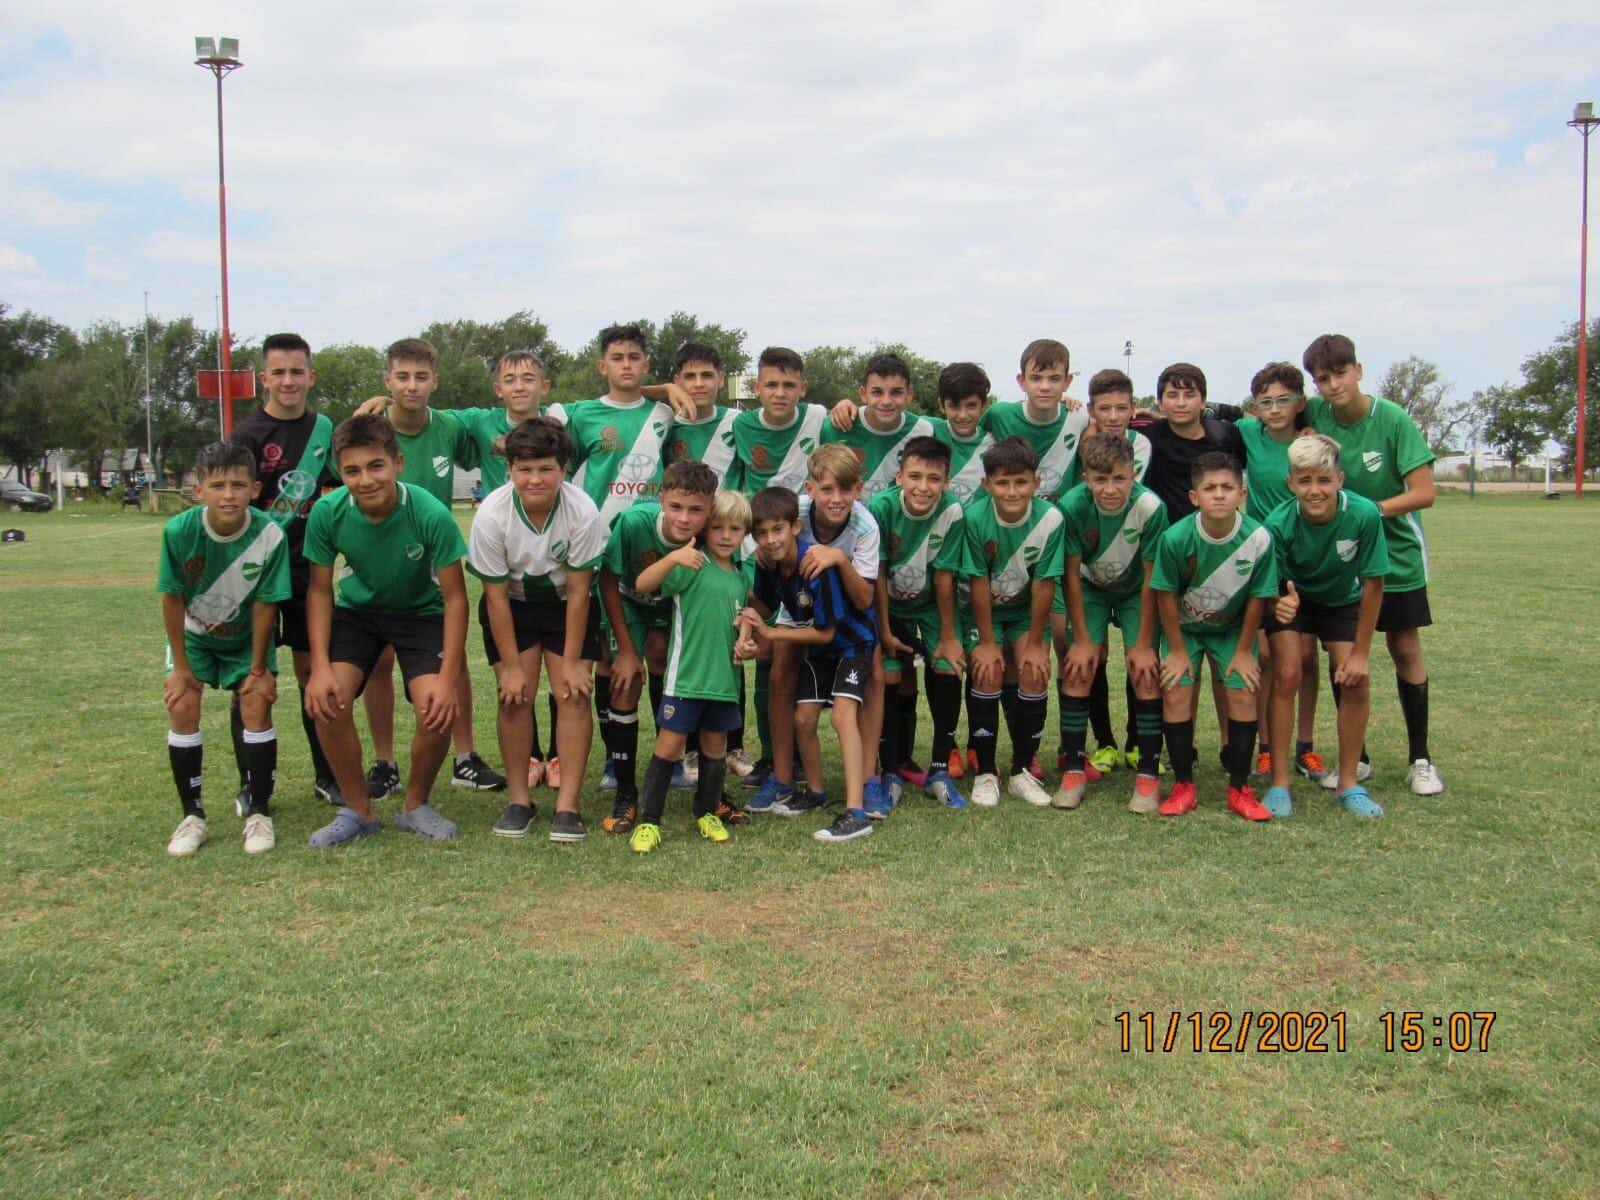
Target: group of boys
651 533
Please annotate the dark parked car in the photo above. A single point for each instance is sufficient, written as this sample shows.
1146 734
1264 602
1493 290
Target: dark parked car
18 498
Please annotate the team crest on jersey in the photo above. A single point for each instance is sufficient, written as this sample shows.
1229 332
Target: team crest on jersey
1347 549
803 600
660 427
894 545
1030 555
680 449
193 568
271 454
990 551
935 540
1130 535
634 468
608 438
726 437
251 571
414 551
1372 460
1069 440
759 458
559 550
316 451
441 465
1242 565
649 558
1091 540
808 444
861 455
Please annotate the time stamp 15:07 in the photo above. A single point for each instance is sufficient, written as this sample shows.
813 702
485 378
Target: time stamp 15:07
1294 1032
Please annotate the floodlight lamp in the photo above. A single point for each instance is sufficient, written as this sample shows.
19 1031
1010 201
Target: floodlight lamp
205 47
1584 111
229 47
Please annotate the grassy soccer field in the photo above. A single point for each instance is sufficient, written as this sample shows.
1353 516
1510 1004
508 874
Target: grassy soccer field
929 1012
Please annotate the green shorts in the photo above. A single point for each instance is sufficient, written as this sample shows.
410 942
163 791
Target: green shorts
1218 646
1101 612
224 669
641 620
1008 627
921 630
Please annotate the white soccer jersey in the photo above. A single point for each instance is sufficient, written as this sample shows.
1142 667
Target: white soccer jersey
860 538
505 545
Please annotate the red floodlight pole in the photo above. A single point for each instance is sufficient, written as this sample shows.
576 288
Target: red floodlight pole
220 56
1584 121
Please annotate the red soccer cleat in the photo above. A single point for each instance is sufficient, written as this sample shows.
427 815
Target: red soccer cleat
1091 773
1243 801
1181 799
1035 769
912 774
954 766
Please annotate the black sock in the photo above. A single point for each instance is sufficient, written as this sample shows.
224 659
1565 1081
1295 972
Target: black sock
658 688
944 700
1301 748
1008 701
763 698
624 750
736 735
534 749
1414 708
708 791
1241 751
1179 736
1133 707
983 728
1147 723
1075 712
236 727
1026 726
184 752
657 779
889 750
602 708
319 761
1099 710
908 725
261 752
550 700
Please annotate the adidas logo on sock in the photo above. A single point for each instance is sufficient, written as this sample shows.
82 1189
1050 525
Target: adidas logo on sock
978 733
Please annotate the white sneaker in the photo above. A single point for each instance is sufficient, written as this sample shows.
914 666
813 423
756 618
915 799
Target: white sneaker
258 834
1025 787
739 763
1363 773
1423 778
188 837
691 766
986 791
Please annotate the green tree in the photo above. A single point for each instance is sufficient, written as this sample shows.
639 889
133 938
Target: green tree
1419 387
1544 406
97 420
834 373
28 343
468 351
1512 425
347 374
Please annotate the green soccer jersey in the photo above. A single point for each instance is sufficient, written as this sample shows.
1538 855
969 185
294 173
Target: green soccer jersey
220 578
966 461
617 449
700 651
1054 441
487 428
1013 556
1113 546
392 565
914 548
433 454
1215 577
709 441
769 457
1377 453
1266 469
879 450
635 543
1327 562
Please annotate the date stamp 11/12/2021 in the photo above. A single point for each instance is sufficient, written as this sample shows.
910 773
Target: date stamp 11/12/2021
1293 1032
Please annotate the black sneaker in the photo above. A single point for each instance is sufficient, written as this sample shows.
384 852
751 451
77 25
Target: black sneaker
478 775
758 774
803 801
846 827
514 822
567 827
383 780
327 790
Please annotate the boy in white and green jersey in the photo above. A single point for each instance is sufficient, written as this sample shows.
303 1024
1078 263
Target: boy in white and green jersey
1386 460
1214 572
707 591
880 425
401 587
1045 419
1013 563
1332 558
923 546
224 569
772 443
1110 529
702 430
963 398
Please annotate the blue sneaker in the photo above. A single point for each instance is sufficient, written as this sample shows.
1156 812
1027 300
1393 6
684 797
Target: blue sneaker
1278 802
680 779
608 778
769 793
895 787
874 800
1357 803
943 789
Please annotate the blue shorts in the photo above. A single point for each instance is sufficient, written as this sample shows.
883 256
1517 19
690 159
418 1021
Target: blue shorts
691 716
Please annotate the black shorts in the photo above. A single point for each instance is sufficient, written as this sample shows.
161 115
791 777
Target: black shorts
1325 622
359 638
1404 610
542 626
822 679
292 631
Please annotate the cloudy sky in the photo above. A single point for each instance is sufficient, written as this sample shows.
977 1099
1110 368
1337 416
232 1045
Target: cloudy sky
1215 182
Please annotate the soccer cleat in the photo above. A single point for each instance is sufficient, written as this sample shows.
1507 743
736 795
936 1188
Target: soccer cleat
1131 757
1070 793
846 827
1243 801
645 838
567 827
1091 772
739 764
972 762
327 790
912 774
552 774
770 794
1311 764
1146 795
624 815
801 802
241 803
955 767
1330 778
1108 759
258 834
759 772
1035 769
347 825
188 837
1423 779
514 822
383 780
425 823
943 789
730 816
1263 764
474 773
689 767
986 791
1278 802
1181 799
1357 803
1025 787
875 800
711 828
535 772
681 779
608 778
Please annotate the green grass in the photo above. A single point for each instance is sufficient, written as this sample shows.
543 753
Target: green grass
930 1012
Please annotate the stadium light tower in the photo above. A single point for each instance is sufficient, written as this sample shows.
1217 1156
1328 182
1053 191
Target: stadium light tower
220 56
1584 121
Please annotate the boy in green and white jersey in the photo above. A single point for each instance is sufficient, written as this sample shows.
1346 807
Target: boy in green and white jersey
1110 529
705 432
521 383
880 425
1214 572
1386 460
772 443
1013 563
536 544
224 569
402 587
706 591
923 548
963 399
1332 558
1045 418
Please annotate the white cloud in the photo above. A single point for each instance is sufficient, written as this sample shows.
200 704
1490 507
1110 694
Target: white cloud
18 261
